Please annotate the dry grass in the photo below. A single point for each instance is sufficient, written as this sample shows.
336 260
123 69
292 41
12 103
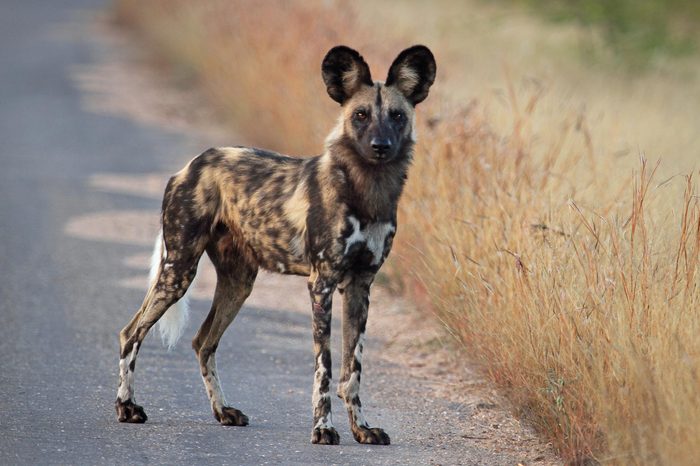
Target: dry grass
575 287
583 311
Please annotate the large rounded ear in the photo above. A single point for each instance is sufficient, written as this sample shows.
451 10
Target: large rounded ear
344 72
413 72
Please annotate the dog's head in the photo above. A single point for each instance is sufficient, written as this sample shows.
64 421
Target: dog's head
377 120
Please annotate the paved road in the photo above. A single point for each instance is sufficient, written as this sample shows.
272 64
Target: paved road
64 296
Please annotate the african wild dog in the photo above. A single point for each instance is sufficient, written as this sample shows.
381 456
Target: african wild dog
331 218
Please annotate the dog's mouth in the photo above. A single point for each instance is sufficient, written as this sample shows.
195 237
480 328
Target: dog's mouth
378 158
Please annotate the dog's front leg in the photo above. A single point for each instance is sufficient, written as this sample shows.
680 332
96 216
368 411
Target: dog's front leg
321 289
355 310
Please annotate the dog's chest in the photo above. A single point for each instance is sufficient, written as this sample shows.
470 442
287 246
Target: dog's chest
366 246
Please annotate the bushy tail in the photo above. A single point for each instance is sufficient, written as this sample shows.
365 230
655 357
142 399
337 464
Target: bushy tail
173 322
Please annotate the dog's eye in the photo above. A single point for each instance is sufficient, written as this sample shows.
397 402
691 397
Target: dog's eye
396 115
360 115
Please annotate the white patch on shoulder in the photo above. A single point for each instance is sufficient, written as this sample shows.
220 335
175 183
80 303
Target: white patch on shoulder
373 235
356 236
376 234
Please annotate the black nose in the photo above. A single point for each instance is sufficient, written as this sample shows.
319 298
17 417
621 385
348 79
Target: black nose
380 146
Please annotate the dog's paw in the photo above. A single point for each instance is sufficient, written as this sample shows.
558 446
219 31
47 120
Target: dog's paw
231 417
370 435
325 436
127 411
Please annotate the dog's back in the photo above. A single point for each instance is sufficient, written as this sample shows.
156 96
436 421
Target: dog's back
258 196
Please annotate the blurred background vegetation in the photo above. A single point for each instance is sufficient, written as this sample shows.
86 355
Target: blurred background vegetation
565 268
638 32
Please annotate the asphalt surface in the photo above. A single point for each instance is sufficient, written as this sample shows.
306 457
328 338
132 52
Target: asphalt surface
62 302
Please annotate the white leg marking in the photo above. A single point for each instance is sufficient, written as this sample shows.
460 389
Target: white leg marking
320 374
324 422
352 386
359 347
353 390
126 376
211 381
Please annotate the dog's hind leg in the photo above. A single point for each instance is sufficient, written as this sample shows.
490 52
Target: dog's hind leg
177 269
355 310
174 278
236 274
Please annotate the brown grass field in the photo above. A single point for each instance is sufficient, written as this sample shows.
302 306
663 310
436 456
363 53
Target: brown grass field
563 262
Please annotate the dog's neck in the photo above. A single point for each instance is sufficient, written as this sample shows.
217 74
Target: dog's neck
372 191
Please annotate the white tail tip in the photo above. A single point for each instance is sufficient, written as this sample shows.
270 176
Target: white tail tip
173 322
